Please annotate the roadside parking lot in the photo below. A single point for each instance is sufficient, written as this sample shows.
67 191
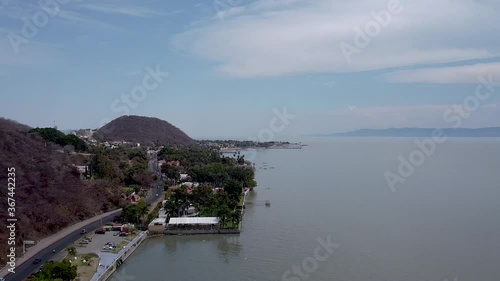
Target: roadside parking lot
98 242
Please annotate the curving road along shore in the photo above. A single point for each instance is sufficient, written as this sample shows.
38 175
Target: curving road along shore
59 241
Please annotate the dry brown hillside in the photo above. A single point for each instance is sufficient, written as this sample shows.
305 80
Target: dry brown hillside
49 193
144 130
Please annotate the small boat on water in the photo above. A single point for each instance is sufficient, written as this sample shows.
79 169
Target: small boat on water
268 203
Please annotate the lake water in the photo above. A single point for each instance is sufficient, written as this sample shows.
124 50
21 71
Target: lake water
442 223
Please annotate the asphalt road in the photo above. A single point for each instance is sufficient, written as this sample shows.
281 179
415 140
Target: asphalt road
25 269
157 189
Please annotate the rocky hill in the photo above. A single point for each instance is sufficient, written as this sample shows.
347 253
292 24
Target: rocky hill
144 130
49 193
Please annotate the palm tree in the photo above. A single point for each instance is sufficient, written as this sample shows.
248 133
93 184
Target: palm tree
71 251
223 214
235 217
173 208
142 208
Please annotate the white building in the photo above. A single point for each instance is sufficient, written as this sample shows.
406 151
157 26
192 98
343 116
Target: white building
184 177
157 225
193 223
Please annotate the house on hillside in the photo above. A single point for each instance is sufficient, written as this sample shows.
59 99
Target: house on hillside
84 171
175 163
133 198
191 184
184 177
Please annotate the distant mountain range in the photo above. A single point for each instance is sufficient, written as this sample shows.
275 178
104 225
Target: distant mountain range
418 132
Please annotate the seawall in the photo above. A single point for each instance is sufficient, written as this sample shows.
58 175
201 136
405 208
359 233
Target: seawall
121 257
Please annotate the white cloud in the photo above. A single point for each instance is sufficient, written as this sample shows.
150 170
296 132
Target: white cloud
231 12
447 75
122 10
77 18
491 105
273 38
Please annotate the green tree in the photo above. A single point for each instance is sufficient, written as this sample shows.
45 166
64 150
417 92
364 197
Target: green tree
202 197
102 167
241 159
133 212
123 165
71 251
233 189
173 208
235 217
142 208
58 137
222 210
77 142
63 270
172 172
217 173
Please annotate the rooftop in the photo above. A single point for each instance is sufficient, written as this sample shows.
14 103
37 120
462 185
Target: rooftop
157 221
194 220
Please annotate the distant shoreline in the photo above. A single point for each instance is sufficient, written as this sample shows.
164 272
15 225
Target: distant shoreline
232 146
236 149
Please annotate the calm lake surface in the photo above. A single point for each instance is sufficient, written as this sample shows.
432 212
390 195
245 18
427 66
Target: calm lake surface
442 223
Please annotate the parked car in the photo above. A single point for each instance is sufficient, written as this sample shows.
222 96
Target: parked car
37 261
116 233
123 234
100 231
83 231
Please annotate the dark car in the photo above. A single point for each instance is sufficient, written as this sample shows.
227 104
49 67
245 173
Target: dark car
100 231
37 261
123 234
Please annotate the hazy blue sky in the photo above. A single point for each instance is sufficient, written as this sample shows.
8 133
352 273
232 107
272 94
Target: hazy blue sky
231 62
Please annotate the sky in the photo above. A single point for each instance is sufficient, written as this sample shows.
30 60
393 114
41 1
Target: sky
256 69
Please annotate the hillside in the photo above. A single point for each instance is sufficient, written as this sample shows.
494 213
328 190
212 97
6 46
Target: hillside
144 130
420 132
49 193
